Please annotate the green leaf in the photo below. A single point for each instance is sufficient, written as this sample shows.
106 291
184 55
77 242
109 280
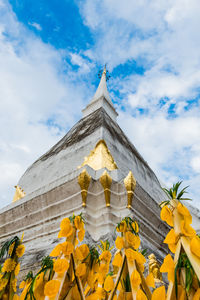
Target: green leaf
126 283
144 252
172 193
7 244
167 192
163 203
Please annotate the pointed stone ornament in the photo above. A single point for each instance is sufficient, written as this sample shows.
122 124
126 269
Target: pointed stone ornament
100 158
106 181
101 99
84 181
19 193
130 184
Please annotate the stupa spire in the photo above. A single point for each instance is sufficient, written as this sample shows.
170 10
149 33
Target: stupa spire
101 98
102 90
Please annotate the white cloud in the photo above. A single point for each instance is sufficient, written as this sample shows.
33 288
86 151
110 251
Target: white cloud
145 29
35 25
168 146
163 37
34 92
195 163
83 64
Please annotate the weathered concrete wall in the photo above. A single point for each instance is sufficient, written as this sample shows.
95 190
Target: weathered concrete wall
39 218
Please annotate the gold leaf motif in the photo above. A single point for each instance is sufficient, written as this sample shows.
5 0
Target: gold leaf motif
100 158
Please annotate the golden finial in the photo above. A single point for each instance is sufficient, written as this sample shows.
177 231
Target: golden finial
84 181
130 184
106 181
19 193
104 72
154 268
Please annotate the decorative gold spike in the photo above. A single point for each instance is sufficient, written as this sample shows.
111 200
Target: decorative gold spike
130 184
19 193
100 158
154 268
106 181
84 181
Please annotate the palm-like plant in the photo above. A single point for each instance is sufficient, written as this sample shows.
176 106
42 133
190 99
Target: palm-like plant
174 193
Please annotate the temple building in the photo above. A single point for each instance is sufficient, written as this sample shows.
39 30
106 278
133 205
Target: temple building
94 170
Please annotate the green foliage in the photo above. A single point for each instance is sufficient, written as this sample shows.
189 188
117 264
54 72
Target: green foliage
174 193
71 218
46 265
6 246
5 253
105 246
29 276
126 284
129 221
184 263
93 257
144 252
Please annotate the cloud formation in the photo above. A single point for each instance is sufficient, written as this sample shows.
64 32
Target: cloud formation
35 25
160 106
37 99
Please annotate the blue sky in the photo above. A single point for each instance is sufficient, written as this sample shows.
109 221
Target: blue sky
60 25
50 56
